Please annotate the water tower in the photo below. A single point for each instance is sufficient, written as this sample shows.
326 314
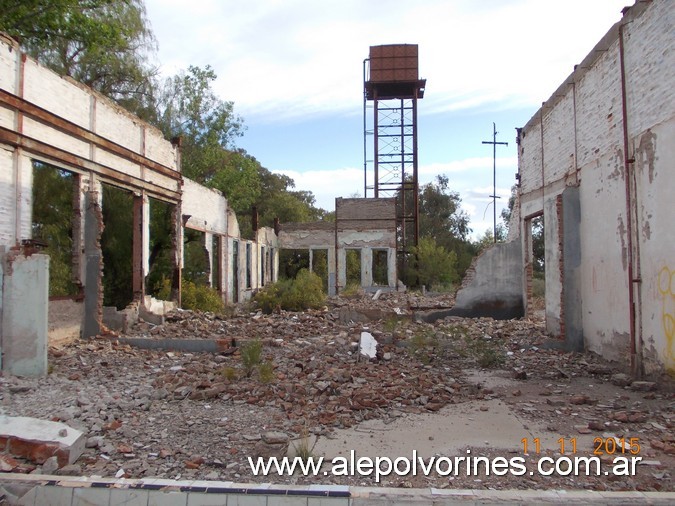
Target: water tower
392 84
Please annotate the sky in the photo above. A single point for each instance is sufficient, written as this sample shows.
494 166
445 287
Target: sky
294 71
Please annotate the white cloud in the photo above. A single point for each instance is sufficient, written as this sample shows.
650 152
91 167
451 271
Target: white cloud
289 58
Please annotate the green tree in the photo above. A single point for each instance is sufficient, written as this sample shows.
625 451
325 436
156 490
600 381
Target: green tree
105 44
432 265
440 214
443 220
189 108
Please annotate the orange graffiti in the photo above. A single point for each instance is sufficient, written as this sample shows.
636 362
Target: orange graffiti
666 286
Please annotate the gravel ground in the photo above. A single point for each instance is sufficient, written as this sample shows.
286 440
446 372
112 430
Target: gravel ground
171 414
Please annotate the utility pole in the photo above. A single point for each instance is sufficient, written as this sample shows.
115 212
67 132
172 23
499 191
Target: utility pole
494 177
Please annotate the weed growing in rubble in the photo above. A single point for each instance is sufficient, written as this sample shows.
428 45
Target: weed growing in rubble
422 345
302 448
390 324
266 372
486 352
251 356
229 373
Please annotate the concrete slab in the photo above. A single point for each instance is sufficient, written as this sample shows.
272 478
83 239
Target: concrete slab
448 432
37 440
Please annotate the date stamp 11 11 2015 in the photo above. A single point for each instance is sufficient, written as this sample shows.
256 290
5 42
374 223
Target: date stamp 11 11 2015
601 446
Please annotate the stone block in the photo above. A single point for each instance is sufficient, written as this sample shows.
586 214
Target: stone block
38 440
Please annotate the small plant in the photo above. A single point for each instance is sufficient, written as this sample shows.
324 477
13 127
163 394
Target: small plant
266 372
251 356
422 345
229 373
303 449
390 324
486 353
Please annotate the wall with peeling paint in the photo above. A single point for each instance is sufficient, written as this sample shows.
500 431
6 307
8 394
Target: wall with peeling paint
625 193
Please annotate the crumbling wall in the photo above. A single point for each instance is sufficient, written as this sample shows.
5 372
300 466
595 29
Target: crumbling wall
58 121
493 286
597 159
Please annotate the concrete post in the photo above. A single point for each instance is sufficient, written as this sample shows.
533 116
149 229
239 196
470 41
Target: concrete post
141 244
391 267
93 257
366 267
24 300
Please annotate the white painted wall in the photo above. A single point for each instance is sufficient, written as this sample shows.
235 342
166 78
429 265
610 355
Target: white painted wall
583 129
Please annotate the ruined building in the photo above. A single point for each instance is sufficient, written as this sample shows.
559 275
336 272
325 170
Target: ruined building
55 129
596 162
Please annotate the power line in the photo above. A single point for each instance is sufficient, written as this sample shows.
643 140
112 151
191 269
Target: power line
494 176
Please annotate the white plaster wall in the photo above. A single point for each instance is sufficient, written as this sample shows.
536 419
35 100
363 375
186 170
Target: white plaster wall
118 125
206 206
650 72
232 224
62 140
6 118
7 196
656 232
56 94
157 148
76 103
8 66
307 239
650 57
559 139
115 162
25 196
530 157
599 128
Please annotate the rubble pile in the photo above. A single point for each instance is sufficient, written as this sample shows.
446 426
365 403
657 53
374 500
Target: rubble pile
167 413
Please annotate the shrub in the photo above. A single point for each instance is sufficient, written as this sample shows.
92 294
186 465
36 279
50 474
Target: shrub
201 297
303 292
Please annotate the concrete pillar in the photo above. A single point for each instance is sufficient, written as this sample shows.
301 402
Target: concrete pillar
23 184
572 304
93 257
331 271
366 267
391 267
77 221
342 268
24 299
208 246
141 244
177 254
222 262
